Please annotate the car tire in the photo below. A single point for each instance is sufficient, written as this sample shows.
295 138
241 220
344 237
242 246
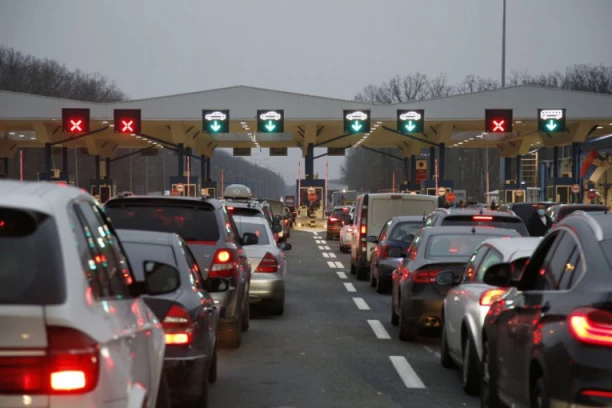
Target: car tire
488 386
407 331
373 280
362 273
382 286
539 394
201 399
470 372
278 308
212 371
245 321
353 269
163 393
230 335
394 316
445 358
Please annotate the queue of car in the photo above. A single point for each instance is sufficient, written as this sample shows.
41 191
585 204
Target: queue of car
527 319
140 291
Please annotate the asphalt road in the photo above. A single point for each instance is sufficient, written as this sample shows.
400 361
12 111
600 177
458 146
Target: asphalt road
334 347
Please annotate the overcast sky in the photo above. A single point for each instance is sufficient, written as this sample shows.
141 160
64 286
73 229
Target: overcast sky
321 47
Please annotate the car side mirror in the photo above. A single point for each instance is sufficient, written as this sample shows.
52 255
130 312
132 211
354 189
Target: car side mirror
498 275
248 238
213 285
285 246
373 239
394 252
445 278
276 228
160 278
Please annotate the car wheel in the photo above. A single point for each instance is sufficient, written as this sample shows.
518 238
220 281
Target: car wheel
245 322
372 278
212 371
445 358
539 394
470 370
163 393
382 285
353 269
488 386
230 335
407 331
394 316
278 308
199 400
362 273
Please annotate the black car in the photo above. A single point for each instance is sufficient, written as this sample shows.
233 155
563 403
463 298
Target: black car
391 245
212 236
469 216
548 340
525 210
417 298
187 314
557 212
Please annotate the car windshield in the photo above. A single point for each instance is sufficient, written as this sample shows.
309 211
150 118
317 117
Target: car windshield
440 246
403 229
487 220
253 228
31 270
193 223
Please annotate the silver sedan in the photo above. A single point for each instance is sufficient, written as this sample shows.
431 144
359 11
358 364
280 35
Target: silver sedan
268 264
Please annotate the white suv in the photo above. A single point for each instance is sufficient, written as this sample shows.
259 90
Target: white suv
74 333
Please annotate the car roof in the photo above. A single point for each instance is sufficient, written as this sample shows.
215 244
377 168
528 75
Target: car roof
147 237
508 247
600 223
602 206
476 211
42 197
250 220
531 203
402 218
468 229
216 204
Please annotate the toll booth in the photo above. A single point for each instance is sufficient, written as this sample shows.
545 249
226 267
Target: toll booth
56 175
189 186
561 190
308 189
512 192
428 187
107 190
209 188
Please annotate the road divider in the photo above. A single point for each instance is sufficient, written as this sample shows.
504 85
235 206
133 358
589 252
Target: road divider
406 372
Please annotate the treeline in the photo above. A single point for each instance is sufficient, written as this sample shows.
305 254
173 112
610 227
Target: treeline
370 171
24 73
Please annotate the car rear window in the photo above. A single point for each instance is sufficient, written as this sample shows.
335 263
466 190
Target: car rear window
487 220
248 212
139 253
257 229
193 222
440 246
404 228
31 268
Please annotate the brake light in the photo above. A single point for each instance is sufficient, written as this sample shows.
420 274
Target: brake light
425 276
223 264
490 296
385 251
71 365
177 326
363 230
349 229
333 219
597 393
482 218
230 208
268 264
592 326
285 222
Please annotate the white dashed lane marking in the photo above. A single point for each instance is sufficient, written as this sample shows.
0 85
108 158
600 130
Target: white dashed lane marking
379 329
342 275
361 304
406 372
331 264
349 287
325 254
321 248
332 255
339 265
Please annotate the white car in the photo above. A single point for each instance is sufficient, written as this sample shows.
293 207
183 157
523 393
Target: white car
467 304
412 115
551 114
345 238
357 116
272 115
74 333
216 116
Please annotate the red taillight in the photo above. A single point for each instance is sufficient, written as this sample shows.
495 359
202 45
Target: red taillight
70 365
286 222
488 297
178 327
597 393
363 230
349 229
230 208
385 251
333 219
268 264
222 265
425 276
592 326
482 218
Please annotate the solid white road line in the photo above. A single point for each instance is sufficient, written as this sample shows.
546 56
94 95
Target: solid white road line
331 264
339 265
342 275
349 287
406 372
361 304
321 248
332 255
379 329
325 254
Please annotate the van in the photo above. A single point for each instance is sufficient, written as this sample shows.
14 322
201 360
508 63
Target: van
372 211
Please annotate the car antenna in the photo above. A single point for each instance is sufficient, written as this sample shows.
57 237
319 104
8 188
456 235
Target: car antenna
473 229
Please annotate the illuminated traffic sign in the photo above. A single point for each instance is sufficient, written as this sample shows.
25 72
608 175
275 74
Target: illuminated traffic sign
356 121
75 120
411 121
271 121
215 121
498 120
551 120
127 121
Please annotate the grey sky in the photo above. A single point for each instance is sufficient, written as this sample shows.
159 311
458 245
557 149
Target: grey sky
322 47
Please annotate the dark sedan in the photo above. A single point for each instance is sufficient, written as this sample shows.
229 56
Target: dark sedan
417 298
548 341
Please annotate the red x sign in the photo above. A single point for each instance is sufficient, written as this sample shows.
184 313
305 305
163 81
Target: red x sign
498 125
127 126
76 125
127 121
498 120
75 120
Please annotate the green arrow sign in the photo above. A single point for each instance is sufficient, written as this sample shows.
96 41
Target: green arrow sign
270 126
356 126
410 126
551 125
215 121
270 121
356 121
215 126
552 120
410 120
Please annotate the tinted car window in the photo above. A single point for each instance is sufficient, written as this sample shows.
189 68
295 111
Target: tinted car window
31 269
440 246
193 223
493 257
257 229
486 220
247 212
404 228
139 253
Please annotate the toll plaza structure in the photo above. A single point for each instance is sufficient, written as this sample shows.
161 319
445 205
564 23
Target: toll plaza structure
514 120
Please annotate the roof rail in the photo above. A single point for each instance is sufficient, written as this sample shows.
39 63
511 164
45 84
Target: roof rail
599 236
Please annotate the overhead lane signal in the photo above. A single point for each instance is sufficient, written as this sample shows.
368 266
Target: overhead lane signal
75 120
551 120
127 121
356 121
498 120
411 121
271 121
215 121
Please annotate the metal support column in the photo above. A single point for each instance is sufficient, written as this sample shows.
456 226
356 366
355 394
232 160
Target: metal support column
543 180
413 173
65 160
507 169
406 171
108 168
208 172
555 171
97 170
432 162
6 167
518 172
576 168
48 159
203 167
441 160
180 151
309 162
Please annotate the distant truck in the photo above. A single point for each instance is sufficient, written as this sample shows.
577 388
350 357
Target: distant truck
342 198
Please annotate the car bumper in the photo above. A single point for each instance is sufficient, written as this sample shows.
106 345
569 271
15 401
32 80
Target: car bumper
346 239
387 266
269 288
180 375
424 312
